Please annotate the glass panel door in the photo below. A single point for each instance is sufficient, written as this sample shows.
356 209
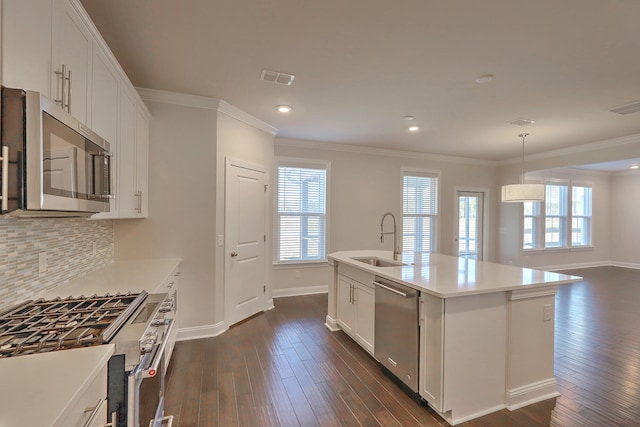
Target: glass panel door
469 232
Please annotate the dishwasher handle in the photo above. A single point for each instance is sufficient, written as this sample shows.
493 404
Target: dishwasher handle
395 291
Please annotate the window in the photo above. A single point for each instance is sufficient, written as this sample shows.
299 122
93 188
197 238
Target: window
301 212
563 220
419 211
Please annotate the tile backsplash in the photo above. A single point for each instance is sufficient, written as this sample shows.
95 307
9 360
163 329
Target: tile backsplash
68 244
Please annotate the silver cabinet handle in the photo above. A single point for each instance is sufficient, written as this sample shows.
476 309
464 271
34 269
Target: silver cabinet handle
63 74
69 92
5 179
168 419
234 254
94 411
114 420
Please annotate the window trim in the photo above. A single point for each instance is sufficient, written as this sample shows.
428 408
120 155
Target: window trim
427 173
570 183
282 161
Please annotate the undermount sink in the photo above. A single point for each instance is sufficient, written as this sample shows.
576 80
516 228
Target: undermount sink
378 262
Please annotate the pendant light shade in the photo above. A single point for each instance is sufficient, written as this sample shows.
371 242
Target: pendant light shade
515 193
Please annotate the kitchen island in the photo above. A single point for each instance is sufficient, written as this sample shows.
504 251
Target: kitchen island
486 330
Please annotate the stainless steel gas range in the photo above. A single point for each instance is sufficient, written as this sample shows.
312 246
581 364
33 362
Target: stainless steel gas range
138 324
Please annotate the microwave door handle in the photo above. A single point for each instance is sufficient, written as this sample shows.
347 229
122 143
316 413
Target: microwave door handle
5 179
93 193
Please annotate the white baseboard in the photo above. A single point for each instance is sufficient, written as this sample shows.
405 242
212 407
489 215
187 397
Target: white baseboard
625 265
573 266
453 420
332 324
197 332
531 393
303 290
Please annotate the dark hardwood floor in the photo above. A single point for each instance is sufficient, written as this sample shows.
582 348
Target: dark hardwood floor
284 368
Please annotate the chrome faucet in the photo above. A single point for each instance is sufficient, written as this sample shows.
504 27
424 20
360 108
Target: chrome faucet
396 248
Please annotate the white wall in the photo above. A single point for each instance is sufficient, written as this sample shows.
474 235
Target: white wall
182 199
365 183
189 140
625 219
510 231
508 235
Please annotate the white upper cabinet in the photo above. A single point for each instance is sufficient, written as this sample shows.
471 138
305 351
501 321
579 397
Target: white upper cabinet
63 56
26 55
71 58
142 162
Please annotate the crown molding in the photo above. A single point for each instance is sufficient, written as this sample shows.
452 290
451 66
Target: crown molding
347 148
203 102
593 146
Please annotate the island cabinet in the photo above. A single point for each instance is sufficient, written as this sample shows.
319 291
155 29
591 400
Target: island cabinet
355 305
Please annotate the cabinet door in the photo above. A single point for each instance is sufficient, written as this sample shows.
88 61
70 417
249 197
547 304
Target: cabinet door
71 46
365 315
344 308
127 199
26 54
142 163
105 107
432 350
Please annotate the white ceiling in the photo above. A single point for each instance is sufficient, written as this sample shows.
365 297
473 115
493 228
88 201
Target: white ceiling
361 65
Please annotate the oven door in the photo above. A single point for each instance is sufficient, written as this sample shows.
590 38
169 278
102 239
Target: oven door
147 386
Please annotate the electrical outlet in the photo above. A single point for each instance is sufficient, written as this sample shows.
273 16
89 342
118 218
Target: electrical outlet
42 262
546 313
297 274
94 248
220 240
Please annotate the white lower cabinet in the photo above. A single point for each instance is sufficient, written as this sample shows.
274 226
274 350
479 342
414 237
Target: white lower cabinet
356 310
91 409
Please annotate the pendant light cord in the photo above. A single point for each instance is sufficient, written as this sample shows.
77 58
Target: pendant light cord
522 135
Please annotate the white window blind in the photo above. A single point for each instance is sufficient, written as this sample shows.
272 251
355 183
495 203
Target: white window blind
419 212
580 215
556 201
301 214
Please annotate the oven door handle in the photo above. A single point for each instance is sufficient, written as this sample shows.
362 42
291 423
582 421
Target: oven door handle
152 369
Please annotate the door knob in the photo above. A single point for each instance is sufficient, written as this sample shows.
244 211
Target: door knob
234 253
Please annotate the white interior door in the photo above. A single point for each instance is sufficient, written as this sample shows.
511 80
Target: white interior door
469 231
245 229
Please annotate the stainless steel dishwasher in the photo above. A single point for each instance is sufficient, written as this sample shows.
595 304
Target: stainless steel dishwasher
397 330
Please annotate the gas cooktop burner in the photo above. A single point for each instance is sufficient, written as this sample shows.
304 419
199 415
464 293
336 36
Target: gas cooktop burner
48 325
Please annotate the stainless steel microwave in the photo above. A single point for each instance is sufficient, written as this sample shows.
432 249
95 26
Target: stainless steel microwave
52 165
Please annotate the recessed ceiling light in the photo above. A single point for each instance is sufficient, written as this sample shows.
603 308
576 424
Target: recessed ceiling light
634 167
522 122
408 118
283 108
485 78
414 128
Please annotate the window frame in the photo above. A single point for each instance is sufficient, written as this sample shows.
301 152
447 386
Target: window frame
301 163
567 232
424 173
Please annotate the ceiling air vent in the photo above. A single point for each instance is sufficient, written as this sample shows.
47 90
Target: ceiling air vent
634 107
277 77
522 122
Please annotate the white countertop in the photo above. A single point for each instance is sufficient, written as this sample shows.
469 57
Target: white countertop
119 276
39 389
446 276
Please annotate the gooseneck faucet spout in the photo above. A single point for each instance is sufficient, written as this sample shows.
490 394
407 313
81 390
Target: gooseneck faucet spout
396 248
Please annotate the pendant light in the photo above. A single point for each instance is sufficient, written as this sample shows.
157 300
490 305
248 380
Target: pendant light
522 192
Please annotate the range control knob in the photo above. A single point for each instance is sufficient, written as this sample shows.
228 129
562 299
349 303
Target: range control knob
146 343
166 307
